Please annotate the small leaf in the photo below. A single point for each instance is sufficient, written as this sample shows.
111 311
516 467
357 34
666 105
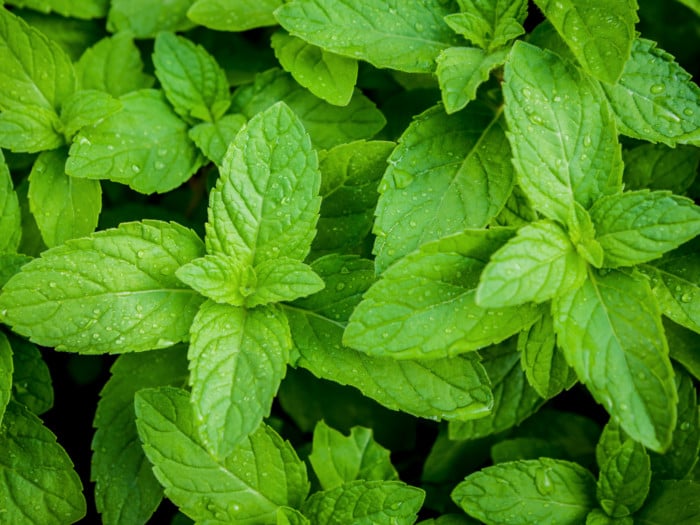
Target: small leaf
213 138
623 482
283 279
233 15
220 278
146 18
86 107
31 379
489 24
30 130
10 217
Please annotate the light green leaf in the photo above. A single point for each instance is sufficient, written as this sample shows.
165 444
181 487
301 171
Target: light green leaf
107 292
638 226
290 516
146 18
599 33
543 361
33 70
265 203
583 235
676 502
6 371
126 492
30 129
649 107
86 107
31 379
260 475
563 136
10 217
424 305
537 264
74 35
233 15
448 173
338 459
38 482
237 359
538 492
489 24
406 36
612 325
113 65
144 145
85 9
365 503
460 72
191 78
220 278
329 76
328 125
213 138
283 279
350 174
514 399
658 167
64 207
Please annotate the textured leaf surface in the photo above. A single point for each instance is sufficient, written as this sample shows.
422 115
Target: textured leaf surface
260 475
30 129
647 106
424 305
489 24
237 359
86 107
283 279
329 76
338 459
10 217
611 326
6 370
365 503
539 491
537 264
658 167
191 78
563 136
146 18
265 204
126 490
678 501
38 483
218 277
448 173
599 33
400 35
636 227
213 138
31 379
328 125
114 291
145 145
233 15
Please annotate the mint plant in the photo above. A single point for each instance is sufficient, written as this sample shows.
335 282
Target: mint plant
351 261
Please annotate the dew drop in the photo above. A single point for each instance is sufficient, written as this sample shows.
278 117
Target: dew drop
135 168
140 254
587 141
340 287
526 92
686 298
688 112
52 284
685 426
543 484
657 89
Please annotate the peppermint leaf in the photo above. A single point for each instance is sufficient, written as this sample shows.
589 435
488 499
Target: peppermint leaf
30 130
283 279
10 217
233 15
146 18
86 107
6 371
213 138
220 278
31 379
67 8
658 167
671 500
489 24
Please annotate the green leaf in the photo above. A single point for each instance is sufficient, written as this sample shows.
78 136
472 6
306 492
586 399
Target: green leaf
213 138
283 279
448 173
658 167
514 399
290 516
86 107
262 473
237 359
64 207
30 129
563 136
649 107
126 491
36 74
329 76
146 18
191 78
220 278
84 9
31 379
537 264
265 203
599 517
424 305
612 325
676 502
6 371
10 217
365 503
539 491
543 361
233 15
107 292
599 33
144 145
38 483
10 264
113 65
583 235
350 174
682 347
328 125
489 24
338 459
460 72
638 226
406 36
